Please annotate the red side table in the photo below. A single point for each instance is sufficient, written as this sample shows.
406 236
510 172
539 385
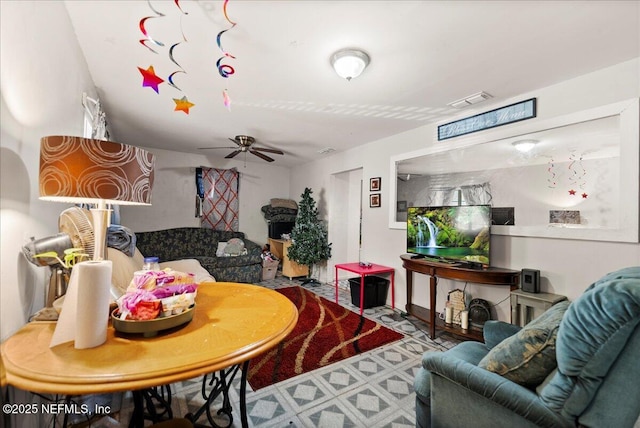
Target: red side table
364 271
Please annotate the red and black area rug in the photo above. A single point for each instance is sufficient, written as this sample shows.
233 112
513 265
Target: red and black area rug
325 333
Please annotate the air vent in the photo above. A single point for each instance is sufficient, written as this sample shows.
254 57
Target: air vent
471 99
326 150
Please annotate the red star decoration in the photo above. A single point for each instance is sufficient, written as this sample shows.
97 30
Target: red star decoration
584 196
572 192
150 79
183 104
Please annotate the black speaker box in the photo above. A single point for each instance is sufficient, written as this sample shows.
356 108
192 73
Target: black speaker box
530 280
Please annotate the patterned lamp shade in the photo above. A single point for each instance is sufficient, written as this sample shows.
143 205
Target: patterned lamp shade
82 170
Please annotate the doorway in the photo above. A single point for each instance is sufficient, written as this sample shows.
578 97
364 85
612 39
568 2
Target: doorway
345 218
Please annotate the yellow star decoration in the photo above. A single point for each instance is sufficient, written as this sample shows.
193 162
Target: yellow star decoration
183 104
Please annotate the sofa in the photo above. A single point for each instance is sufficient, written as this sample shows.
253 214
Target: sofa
574 365
202 244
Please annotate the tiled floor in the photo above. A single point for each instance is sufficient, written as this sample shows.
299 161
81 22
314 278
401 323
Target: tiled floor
373 389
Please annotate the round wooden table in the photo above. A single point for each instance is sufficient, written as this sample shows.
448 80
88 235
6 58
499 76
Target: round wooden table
232 323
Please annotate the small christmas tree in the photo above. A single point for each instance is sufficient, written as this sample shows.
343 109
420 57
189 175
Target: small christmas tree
309 236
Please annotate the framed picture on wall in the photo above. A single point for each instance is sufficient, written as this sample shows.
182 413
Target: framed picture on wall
374 200
374 184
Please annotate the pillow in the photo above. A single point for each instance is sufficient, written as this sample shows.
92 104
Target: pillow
284 203
528 356
189 266
234 247
220 250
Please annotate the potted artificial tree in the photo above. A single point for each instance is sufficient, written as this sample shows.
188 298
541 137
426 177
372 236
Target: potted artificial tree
309 237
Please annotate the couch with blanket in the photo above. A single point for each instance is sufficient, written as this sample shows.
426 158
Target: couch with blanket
574 365
124 266
240 261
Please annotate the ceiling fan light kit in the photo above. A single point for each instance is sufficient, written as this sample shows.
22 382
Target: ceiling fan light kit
349 63
244 144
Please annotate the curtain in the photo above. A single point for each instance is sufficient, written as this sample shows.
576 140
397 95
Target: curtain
477 194
444 197
220 206
472 194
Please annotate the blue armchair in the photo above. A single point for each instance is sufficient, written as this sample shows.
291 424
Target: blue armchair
595 342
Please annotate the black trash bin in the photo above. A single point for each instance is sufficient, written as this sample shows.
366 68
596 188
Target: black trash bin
375 291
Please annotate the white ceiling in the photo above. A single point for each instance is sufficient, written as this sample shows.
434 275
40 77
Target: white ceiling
424 54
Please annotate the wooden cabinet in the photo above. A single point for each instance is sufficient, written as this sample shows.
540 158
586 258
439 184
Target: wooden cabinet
279 248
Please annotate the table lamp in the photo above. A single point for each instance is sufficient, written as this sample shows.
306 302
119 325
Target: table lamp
87 171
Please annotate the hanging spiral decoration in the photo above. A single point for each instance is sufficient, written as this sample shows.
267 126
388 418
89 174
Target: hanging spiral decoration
147 38
171 57
225 70
552 178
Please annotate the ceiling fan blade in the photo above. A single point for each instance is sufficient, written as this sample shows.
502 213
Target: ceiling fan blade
232 154
264 149
260 155
209 148
235 141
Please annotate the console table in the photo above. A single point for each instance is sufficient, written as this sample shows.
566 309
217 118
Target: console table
457 272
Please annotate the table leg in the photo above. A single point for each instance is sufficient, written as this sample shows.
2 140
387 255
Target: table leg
432 304
219 383
336 284
243 395
137 416
524 315
514 310
361 293
393 292
409 275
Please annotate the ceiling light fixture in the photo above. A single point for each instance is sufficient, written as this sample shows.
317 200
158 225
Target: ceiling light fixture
524 146
349 63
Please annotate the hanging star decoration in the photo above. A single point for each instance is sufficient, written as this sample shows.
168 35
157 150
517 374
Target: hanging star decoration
150 79
584 196
183 104
572 192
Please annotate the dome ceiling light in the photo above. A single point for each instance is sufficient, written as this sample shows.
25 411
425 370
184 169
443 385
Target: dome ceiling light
524 146
349 63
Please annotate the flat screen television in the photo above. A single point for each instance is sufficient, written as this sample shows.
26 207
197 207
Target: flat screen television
459 234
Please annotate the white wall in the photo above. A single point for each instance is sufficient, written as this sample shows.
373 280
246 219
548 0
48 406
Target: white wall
567 267
174 192
38 99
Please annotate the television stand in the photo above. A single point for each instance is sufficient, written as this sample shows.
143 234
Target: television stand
456 272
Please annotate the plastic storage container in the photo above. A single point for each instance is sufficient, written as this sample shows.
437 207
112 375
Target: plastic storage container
151 263
375 291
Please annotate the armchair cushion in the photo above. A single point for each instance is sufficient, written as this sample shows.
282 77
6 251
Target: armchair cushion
528 356
596 329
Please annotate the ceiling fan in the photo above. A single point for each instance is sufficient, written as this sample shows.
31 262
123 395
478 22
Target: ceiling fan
245 144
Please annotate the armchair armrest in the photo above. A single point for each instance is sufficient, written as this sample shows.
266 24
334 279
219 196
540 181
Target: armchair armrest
495 332
493 387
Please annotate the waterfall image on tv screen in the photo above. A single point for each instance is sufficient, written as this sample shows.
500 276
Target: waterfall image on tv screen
459 233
